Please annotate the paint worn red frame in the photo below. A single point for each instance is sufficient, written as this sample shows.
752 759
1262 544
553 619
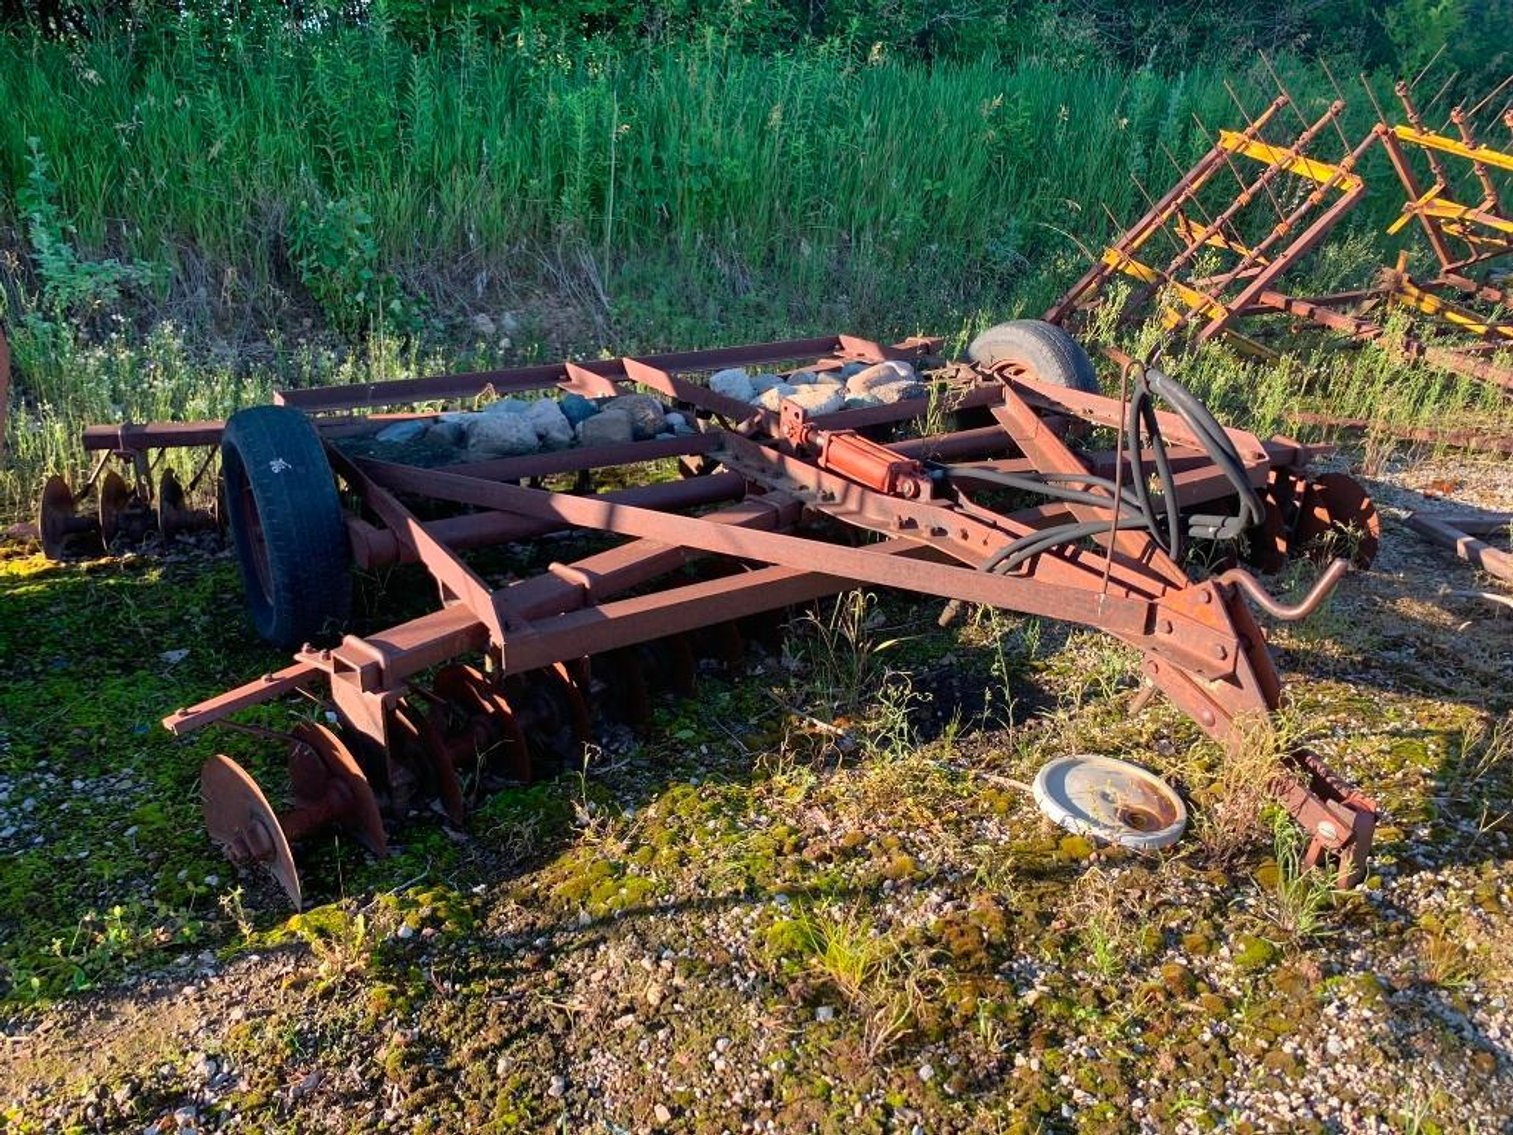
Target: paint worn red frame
777 488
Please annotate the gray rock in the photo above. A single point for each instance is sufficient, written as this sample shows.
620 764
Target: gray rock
646 414
444 432
881 374
678 424
482 324
576 408
890 392
507 406
826 378
772 397
403 431
861 401
733 382
500 435
553 430
852 368
817 400
761 383
611 427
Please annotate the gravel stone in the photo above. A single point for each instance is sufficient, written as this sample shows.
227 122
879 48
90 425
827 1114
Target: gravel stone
772 397
817 400
577 409
645 413
403 431
890 392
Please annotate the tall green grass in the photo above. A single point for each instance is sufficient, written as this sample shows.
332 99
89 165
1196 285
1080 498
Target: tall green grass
193 149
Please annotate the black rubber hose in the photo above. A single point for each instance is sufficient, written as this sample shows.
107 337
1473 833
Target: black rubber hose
1219 446
1141 412
1011 555
1141 427
1033 485
1168 481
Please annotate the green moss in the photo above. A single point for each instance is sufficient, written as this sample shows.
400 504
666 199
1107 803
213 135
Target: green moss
1250 952
1178 980
1076 847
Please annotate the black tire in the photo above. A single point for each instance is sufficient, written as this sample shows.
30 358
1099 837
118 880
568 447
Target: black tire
287 526
1046 352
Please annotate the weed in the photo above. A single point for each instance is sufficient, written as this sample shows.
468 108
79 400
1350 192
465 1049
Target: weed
1485 753
862 700
885 982
1298 899
1445 951
344 944
71 284
337 257
231 904
1235 792
1004 664
1107 920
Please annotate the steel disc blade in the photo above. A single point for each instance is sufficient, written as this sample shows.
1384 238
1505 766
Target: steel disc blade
174 513
357 808
470 689
432 749
114 496
64 533
1347 508
240 819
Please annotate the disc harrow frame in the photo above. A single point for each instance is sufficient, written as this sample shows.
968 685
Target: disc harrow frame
774 509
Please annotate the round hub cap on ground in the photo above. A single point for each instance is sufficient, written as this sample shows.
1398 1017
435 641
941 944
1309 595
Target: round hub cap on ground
1111 800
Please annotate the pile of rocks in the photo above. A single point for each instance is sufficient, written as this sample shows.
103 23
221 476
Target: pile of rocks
822 392
514 427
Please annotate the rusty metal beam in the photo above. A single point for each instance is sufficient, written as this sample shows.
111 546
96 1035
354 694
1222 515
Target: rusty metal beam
1477 553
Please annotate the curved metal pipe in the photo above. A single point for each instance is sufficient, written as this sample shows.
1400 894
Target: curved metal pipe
1239 577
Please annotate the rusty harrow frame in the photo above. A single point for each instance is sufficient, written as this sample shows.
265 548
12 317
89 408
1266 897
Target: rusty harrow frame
1215 254
774 509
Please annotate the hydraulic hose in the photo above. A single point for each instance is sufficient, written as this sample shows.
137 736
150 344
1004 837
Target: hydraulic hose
1136 507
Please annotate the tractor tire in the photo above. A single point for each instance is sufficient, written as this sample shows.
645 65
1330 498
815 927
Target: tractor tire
1045 352
287 526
